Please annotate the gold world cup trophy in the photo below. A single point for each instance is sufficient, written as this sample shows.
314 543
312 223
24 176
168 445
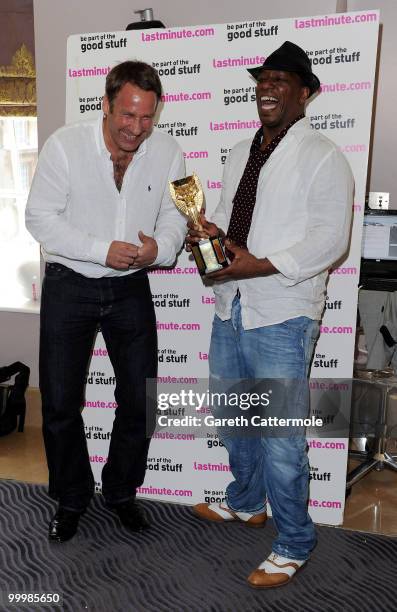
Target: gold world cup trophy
187 194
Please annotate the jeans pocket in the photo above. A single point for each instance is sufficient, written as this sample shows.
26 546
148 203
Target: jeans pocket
56 271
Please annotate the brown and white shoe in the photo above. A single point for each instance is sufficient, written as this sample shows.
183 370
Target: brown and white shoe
221 513
274 571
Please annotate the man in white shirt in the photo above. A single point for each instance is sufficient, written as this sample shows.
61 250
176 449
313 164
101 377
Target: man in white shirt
100 207
285 209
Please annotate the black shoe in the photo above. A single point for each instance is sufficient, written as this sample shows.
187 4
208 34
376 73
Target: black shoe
131 515
63 525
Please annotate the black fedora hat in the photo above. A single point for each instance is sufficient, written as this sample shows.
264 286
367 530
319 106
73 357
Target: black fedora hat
290 58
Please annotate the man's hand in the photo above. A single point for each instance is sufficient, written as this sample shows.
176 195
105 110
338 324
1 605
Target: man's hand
121 255
209 230
147 252
244 265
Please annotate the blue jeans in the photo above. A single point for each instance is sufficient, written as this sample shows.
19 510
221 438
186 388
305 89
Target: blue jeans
72 307
273 468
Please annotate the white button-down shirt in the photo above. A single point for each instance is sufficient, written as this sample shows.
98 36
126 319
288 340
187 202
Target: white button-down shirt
75 210
301 223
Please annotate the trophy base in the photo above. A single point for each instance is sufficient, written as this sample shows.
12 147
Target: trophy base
213 269
209 256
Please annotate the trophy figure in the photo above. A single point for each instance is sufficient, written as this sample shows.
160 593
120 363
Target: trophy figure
188 196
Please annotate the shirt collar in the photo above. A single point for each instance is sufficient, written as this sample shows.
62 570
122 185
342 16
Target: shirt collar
99 137
300 128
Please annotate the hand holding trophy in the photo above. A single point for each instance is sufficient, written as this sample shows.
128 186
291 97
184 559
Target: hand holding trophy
188 196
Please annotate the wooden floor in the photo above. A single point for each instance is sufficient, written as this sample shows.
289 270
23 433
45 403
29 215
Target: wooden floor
370 507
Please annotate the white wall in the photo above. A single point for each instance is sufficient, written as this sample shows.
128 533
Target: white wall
19 341
55 21
382 169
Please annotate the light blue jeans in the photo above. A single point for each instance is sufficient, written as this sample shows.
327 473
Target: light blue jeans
264 467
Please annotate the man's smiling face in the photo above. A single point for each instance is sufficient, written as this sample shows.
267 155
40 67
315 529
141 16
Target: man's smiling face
280 98
129 119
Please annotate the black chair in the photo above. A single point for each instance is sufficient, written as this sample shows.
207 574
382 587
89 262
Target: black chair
12 397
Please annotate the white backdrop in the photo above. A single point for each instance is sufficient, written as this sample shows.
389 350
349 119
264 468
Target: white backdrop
209 106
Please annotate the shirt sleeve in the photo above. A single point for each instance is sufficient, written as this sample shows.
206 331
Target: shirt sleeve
329 211
220 216
171 225
46 210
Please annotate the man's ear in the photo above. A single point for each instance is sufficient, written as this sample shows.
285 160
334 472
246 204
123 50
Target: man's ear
105 105
305 94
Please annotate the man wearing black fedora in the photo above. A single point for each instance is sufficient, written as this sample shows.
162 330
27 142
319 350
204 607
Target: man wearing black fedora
285 212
